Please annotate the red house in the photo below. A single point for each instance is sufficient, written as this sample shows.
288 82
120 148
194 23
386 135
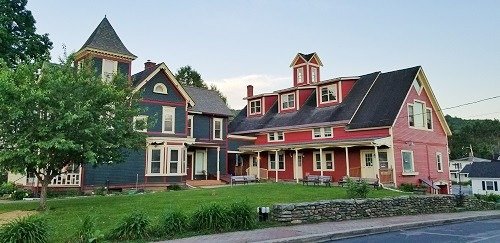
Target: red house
387 126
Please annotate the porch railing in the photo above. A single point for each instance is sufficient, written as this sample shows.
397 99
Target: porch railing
67 179
355 172
386 175
254 171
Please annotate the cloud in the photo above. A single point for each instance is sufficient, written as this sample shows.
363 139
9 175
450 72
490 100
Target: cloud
235 88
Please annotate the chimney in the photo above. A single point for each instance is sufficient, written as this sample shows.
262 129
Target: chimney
149 64
249 90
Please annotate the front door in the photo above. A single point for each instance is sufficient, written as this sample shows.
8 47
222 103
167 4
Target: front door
190 157
368 164
253 169
299 167
200 163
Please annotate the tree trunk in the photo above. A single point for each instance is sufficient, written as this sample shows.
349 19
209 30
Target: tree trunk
43 194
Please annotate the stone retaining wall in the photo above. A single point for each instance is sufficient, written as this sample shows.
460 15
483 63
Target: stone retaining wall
345 209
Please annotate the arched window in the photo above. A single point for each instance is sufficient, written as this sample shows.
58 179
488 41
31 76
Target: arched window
160 88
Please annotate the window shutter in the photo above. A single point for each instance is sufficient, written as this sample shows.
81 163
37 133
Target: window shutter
496 186
484 185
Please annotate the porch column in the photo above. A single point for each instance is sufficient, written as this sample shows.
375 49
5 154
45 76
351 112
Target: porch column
258 165
276 161
347 161
218 163
296 166
377 165
321 160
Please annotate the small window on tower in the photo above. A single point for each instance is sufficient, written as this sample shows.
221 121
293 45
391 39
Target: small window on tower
109 69
300 75
314 75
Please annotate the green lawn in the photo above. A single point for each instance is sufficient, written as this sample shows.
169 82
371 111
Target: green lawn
66 214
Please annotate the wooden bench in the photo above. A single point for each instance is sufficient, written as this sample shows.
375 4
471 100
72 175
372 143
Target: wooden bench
317 179
370 181
243 179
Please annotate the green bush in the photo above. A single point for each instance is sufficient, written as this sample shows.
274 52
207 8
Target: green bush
357 189
175 187
7 188
100 191
88 233
65 193
19 194
172 223
133 227
407 187
26 230
242 216
490 197
212 218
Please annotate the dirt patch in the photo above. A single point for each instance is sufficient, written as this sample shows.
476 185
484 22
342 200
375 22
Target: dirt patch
9 216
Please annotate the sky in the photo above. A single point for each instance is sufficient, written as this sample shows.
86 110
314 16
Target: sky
235 43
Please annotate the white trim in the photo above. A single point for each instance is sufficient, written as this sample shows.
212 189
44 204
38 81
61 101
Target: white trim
439 160
179 160
413 172
150 156
221 128
275 135
276 163
294 128
241 137
171 77
323 163
328 90
140 117
164 87
168 110
190 117
205 156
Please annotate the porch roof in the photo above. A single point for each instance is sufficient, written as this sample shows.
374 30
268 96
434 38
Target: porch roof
318 144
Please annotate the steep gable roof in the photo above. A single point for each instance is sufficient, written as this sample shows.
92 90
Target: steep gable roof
307 58
141 78
308 114
104 38
482 170
207 101
383 102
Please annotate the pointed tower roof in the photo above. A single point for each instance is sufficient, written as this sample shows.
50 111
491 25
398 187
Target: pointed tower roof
104 38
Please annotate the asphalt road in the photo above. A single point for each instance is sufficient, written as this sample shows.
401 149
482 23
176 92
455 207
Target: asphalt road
475 231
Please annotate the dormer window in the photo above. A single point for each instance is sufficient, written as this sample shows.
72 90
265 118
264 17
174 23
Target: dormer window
322 132
314 75
328 93
160 88
255 107
288 101
275 137
300 75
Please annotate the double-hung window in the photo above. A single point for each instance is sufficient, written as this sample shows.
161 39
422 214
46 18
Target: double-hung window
328 93
408 163
255 107
325 163
314 75
300 75
288 101
322 132
275 136
490 185
168 119
156 160
419 116
439 162
218 122
190 126
273 161
428 118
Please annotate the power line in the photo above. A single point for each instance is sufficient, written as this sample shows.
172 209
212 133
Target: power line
470 103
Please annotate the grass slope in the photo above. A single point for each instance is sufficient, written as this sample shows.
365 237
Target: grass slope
66 215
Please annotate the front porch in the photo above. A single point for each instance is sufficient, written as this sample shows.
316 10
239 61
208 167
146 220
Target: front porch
365 158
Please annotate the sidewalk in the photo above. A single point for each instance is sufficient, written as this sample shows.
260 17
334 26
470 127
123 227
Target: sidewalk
337 230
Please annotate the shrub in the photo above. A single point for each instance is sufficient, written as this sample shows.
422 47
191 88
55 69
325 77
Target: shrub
7 188
65 193
213 218
19 194
242 217
357 189
407 187
172 223
87 233
101 191
175 187
133 227
27 230
490 197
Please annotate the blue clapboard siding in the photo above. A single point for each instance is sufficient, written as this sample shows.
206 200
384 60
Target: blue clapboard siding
201 126
97 62
154 113
173 94
212 161
123 68
117 174
234 144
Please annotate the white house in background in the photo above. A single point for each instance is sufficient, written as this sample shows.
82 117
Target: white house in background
485 177
458 164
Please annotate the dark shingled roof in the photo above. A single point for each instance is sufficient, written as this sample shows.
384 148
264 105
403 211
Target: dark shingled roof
307 56
308 113
381 105
138 77
207 101
379 97
104 38
482 170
